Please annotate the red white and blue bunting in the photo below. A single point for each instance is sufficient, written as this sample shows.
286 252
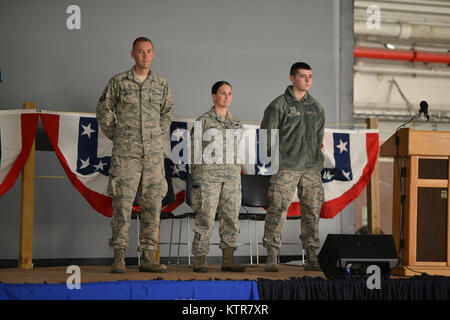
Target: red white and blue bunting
85 154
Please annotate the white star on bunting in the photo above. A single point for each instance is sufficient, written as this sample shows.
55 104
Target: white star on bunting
342 146
346 174
84 163
327 175
87 130
99 166
262 170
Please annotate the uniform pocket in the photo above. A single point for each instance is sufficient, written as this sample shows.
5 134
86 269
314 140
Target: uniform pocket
128 97
312 191
156 95
312 178
114 181
154 99
114 189
196 198
281 190
310 123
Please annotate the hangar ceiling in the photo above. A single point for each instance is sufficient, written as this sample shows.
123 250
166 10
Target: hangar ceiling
402 56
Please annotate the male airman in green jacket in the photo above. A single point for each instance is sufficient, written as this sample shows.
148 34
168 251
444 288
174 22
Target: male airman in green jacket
135 110
300 120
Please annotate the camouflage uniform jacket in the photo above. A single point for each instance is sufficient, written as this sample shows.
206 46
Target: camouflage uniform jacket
301 129
216 172
135 115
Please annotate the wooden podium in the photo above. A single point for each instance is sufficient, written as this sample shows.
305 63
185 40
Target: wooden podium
423 157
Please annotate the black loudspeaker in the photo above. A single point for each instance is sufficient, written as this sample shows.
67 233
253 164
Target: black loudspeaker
349 255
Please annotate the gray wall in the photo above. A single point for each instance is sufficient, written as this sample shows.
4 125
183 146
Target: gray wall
250 43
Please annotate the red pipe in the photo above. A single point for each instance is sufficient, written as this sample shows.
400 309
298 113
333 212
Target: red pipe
406 55
374 53
424 56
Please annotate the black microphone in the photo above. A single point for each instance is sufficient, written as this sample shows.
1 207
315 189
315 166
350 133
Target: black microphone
424 109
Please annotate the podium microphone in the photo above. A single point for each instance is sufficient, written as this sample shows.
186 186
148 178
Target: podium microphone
424 109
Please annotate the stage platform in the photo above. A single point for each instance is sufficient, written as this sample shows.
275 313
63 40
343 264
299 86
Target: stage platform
181 283
175 272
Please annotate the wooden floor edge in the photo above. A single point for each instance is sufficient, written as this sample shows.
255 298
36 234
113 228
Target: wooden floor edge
417 271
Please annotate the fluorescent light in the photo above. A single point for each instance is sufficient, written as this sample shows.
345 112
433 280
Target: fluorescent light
389 46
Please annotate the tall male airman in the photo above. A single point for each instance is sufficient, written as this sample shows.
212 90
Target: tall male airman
134 111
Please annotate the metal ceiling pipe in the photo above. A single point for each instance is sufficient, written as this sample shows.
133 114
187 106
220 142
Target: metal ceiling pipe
423 7
390 70
402 30
405 55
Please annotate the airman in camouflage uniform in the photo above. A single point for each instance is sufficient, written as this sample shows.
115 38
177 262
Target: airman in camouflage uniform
135 110
217 187
300 120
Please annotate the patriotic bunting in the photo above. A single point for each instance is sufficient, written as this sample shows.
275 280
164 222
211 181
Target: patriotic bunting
17 132
85 154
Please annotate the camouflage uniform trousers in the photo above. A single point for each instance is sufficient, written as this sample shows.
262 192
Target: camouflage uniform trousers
281 192
128 176
208 198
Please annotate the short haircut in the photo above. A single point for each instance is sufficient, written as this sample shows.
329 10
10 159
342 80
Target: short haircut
217 85
299 65
141 39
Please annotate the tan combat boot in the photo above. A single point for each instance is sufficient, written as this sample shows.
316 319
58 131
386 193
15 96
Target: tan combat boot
271 263
311 263
200 264
149 264
118 265
228 263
